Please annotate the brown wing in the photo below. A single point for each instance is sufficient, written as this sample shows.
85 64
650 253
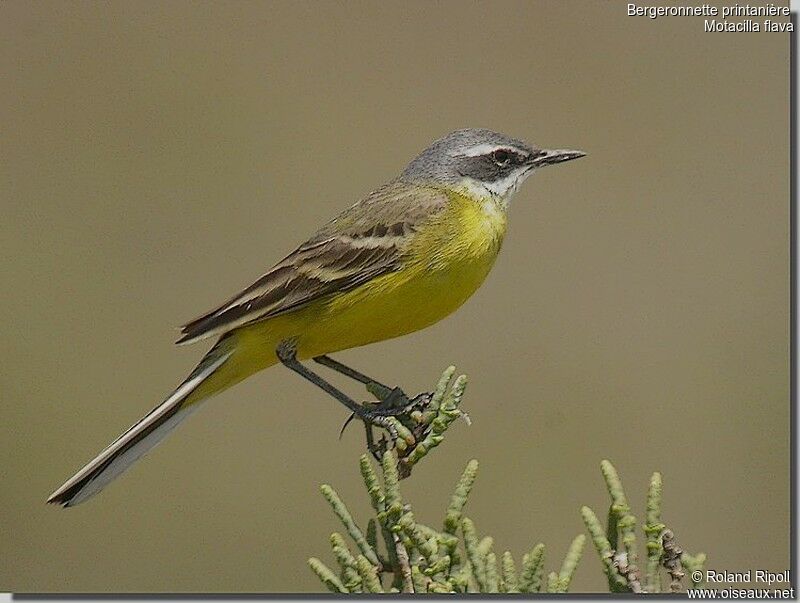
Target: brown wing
367 240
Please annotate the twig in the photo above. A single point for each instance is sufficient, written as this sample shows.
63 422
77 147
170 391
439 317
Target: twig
372 484
459 499
626 522
653 529
473 554
492 578
393 505
532 570
671 560
509 574
427 547
420 580
438 395
326 575
570 564
552 582
369 575
616 582
347 562
627 571
403 566
346 518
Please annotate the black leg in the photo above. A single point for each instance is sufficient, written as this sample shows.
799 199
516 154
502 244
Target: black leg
287 354
393 400
379 389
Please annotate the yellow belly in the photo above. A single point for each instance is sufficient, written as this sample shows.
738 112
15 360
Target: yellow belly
390 306
449 259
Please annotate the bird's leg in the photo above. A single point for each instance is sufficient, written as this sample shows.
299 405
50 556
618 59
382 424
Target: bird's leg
393 399
287 354
374 387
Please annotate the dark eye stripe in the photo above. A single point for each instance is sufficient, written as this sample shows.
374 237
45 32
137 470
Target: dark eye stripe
506 156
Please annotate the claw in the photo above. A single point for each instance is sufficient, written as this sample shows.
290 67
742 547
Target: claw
394 404
346 423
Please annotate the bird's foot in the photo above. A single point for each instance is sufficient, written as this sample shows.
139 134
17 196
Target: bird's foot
397 403
394 411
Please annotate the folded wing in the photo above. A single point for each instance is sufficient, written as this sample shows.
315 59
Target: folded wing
365 241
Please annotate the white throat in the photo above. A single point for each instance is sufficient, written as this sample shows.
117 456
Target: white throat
499 191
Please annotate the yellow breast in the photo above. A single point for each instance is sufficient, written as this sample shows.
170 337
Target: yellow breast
450 257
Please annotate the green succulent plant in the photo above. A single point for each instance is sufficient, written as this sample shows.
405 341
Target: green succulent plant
398 553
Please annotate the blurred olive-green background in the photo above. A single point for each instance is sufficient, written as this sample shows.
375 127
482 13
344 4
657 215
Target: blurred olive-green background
159 156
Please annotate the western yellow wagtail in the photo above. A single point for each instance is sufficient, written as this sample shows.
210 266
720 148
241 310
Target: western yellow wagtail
399 260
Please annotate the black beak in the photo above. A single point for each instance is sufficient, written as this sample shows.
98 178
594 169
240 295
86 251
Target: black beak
547 157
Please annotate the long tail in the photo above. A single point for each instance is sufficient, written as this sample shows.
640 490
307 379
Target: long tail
143 435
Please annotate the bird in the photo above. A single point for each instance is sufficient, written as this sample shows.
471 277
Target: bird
402 258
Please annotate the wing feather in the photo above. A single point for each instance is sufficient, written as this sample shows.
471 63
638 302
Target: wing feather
365 241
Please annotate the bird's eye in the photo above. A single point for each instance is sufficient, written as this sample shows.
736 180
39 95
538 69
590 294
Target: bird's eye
501 157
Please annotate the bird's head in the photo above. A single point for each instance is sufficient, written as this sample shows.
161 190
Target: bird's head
482 162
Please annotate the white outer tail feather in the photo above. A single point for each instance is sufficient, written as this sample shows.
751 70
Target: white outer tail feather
118 456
